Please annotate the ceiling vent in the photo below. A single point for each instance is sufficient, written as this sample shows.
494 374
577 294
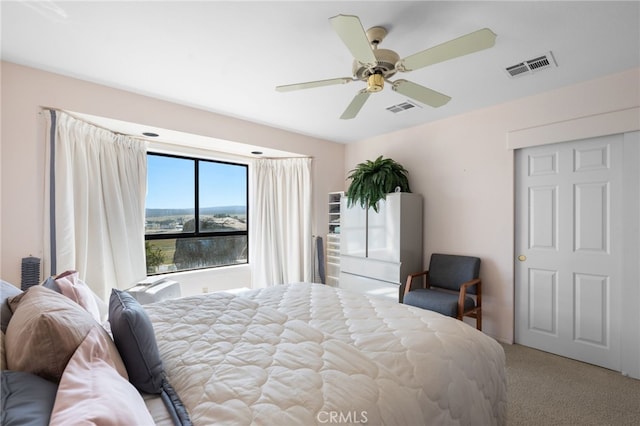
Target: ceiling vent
532 65
402 107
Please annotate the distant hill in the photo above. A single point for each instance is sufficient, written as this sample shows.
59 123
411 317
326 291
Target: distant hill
229 210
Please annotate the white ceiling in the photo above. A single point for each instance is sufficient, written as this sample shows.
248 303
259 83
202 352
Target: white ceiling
227 57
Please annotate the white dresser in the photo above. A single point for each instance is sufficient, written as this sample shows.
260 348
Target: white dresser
378 250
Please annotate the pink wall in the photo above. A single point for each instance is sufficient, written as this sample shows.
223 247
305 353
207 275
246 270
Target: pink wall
462 165
464 169
26 90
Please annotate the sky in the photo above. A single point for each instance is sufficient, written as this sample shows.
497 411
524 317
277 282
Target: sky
170 183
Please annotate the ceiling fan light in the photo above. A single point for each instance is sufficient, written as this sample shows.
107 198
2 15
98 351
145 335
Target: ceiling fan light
375 83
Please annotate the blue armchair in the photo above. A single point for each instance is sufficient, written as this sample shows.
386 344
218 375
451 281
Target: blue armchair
451 287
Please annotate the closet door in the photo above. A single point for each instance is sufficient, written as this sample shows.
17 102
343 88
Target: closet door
569 248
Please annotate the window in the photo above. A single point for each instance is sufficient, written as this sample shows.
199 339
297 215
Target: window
196 213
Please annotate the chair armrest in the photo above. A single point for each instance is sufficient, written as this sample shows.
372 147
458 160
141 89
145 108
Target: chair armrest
463 287
463 293
410 277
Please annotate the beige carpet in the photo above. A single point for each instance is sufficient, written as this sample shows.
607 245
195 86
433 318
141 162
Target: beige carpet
546 389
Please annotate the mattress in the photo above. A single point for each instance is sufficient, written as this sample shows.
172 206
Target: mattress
313 354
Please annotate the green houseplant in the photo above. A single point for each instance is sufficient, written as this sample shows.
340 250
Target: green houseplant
371 181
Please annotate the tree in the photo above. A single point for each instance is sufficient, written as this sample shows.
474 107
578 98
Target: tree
154 255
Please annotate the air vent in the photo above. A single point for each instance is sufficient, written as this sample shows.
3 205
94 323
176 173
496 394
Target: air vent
402 107
532 65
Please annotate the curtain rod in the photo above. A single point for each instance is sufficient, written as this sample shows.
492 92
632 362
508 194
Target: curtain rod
89 122
154 141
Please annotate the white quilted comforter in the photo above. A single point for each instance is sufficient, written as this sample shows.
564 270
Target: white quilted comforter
308 354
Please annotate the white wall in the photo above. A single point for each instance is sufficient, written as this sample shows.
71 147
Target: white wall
464 169
25 90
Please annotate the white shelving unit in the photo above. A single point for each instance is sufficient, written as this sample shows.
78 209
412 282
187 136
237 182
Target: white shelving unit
333 239
334 212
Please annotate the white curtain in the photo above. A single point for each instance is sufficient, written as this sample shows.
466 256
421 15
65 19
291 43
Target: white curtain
281 249
96 185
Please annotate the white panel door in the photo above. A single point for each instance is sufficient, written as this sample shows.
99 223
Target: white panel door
568 243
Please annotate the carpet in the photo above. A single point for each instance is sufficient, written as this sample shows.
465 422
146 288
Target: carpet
547 389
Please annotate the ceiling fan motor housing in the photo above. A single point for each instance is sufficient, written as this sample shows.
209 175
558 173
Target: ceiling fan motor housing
385 65
375 83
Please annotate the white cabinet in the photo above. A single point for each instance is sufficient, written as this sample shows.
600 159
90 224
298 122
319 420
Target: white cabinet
333 239
378 250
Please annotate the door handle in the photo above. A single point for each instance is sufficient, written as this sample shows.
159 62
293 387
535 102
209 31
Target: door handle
522 258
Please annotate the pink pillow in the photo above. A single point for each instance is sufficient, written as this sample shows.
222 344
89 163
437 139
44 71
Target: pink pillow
76 289
44 332
92 392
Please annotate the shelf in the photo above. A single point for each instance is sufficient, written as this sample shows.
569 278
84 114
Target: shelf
333 238
334 197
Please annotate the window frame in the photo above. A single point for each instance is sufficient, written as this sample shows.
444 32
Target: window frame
197 233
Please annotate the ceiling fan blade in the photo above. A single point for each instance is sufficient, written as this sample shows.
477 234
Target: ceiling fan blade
350 30
311 84
420 93
472 42
356 104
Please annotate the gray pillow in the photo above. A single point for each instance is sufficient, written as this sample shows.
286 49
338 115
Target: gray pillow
6 291
136 341
27 400
51 284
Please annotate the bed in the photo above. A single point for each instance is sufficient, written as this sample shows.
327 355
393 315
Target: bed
314 354
294 354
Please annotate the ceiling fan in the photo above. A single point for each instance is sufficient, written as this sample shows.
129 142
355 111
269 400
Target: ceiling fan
375 66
